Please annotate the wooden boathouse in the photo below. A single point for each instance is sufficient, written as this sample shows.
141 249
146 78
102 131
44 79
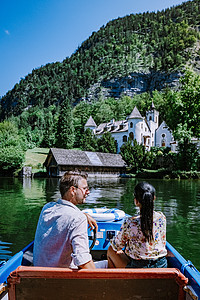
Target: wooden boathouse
96 164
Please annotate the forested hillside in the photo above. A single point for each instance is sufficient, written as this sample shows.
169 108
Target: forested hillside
149 43
131 61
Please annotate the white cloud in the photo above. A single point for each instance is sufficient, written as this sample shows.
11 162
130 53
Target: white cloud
7 32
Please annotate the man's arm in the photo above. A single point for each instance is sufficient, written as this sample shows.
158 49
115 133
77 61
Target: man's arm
88 265
91 222
80 245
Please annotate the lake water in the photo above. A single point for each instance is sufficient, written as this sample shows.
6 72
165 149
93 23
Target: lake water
21 201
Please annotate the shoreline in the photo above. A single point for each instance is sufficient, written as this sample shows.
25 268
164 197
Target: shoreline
145 174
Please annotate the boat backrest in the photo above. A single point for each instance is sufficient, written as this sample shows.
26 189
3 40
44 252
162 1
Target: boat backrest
30 283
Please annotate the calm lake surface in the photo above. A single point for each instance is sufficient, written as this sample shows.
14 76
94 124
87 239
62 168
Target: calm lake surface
21 201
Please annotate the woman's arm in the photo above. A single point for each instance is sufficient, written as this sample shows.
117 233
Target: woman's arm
116 259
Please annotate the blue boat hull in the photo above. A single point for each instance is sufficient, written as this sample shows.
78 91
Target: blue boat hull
106 230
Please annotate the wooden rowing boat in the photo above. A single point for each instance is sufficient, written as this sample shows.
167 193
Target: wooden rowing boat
19 279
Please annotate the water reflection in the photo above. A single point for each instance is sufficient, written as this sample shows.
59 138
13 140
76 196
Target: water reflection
5 253
101 193
21 201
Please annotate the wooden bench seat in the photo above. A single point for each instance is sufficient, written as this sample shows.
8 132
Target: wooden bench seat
39 283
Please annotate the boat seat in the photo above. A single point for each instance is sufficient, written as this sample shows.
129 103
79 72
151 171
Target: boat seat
30 283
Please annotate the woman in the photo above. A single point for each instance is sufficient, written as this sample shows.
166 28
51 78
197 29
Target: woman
143 236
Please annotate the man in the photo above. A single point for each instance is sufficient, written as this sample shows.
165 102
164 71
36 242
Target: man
61 238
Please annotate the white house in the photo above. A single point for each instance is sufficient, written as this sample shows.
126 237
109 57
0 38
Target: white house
145 131
164 137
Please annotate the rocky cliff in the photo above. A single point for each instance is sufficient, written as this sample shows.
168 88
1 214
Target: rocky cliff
134 83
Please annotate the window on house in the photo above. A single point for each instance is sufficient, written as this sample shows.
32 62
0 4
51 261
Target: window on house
150 118
116 145
131 135
142 126
124 138
145 129
131 125
163 144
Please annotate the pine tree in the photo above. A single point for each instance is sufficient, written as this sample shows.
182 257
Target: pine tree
107 143
65 128
88 141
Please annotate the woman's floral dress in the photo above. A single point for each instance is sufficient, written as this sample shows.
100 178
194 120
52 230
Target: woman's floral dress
131 237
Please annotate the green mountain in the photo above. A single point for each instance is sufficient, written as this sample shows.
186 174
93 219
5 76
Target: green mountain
130 55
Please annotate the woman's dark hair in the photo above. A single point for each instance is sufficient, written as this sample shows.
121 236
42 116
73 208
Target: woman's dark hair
144 193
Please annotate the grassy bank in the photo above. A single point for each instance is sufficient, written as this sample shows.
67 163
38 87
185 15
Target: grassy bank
35 158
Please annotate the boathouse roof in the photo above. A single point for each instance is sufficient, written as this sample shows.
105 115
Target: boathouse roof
84 158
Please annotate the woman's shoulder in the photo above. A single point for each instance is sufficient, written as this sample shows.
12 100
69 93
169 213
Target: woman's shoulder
159 214
133 219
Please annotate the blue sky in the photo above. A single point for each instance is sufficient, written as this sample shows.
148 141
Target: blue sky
36 32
